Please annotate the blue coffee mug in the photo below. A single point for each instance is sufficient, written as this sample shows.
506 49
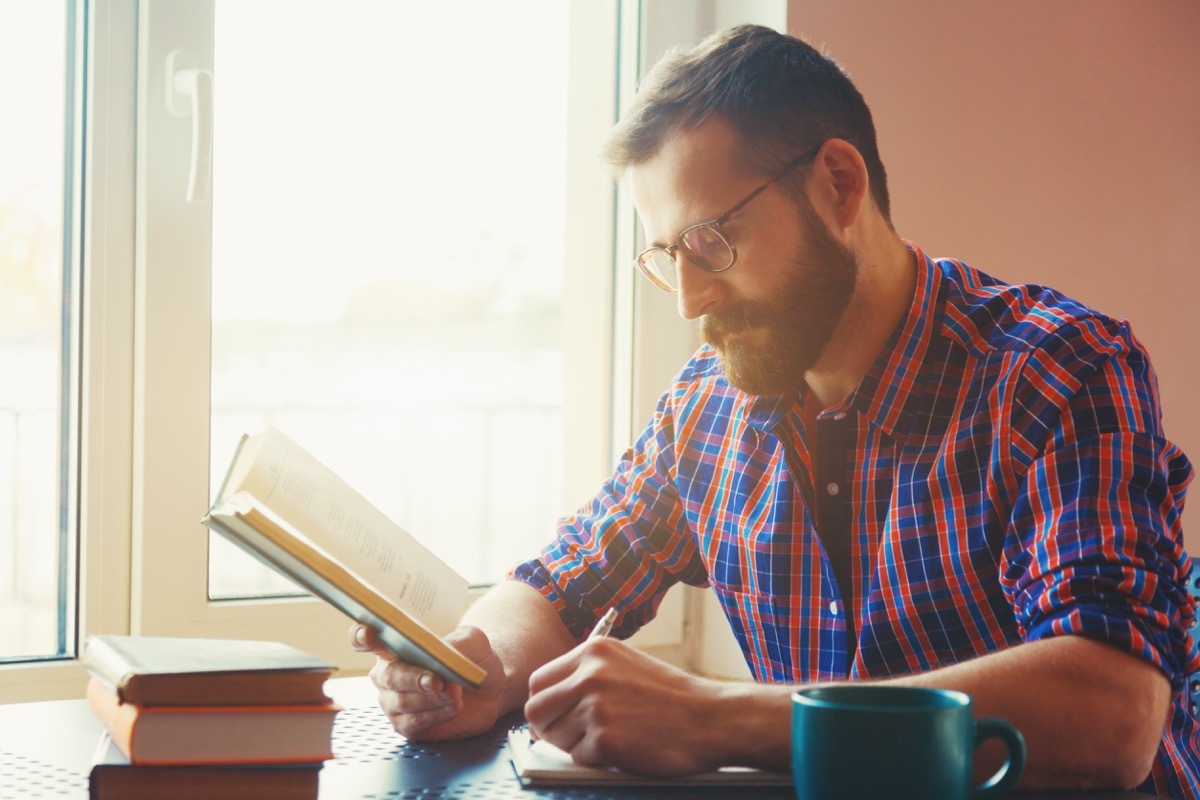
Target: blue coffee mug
898 742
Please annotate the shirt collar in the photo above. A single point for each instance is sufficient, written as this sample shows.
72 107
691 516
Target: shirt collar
891 394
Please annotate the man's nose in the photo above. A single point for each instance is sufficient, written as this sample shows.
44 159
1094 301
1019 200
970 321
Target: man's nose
700 291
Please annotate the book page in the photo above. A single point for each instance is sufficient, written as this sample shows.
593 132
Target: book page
298 487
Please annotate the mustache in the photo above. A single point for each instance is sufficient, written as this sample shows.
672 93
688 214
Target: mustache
730 320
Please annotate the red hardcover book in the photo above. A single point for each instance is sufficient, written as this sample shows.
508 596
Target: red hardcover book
172 735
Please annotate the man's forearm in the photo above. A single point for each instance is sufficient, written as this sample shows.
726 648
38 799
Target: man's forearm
1092 716
525 632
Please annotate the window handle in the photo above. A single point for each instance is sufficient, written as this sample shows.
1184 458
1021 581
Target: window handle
189 92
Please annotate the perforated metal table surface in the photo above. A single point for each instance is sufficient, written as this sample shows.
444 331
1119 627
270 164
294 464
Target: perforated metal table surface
46 750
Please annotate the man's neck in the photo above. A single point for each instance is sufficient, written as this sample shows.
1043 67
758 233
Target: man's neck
886 282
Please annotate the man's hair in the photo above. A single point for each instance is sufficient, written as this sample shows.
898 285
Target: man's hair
780 94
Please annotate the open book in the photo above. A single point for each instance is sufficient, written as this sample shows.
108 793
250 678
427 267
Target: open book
542 764
285 508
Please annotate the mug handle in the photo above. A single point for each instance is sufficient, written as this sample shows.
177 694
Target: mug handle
1014 742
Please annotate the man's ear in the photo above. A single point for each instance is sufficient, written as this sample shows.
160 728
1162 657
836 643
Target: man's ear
840 182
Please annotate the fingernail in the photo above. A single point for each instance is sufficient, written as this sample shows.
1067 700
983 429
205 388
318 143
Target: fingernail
426 682
444 697
360 635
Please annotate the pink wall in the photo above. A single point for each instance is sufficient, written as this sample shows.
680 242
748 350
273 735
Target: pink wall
1050 142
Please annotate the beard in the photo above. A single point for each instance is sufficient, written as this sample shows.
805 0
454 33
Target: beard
766 347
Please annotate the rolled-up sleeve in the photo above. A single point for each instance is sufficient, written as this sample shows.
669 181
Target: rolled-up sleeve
1095 544
626 546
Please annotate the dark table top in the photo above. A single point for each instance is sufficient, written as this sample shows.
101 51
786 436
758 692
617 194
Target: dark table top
46 750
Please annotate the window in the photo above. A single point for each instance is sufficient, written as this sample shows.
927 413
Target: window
403 256
37 323
387 278
377 265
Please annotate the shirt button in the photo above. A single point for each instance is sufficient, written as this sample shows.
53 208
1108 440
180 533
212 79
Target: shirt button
833 489
833 607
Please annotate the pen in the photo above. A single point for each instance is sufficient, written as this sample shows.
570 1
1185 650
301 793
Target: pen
605 625
603 628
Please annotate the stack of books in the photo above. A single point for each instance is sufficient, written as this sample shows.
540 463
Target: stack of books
207 718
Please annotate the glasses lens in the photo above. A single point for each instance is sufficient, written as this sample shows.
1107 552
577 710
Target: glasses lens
707 247
659 267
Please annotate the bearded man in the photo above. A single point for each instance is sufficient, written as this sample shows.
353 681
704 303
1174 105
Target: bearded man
888 467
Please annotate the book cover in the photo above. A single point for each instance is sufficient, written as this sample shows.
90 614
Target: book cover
542 764
170 735
113 777
286 509
162 670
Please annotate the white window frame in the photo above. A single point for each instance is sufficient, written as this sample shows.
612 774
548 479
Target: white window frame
106 45
144 400
172 345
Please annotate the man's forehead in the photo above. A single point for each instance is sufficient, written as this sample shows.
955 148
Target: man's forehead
711 144
690 172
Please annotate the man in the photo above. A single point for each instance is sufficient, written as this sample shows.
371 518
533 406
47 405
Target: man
888 468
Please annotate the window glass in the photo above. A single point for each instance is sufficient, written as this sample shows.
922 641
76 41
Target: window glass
35 315
388 261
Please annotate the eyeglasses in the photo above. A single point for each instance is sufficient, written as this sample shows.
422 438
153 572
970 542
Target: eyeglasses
706 244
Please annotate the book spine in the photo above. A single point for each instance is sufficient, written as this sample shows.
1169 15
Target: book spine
109 664
118 720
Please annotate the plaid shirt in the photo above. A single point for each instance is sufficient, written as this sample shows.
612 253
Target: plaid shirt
1000 474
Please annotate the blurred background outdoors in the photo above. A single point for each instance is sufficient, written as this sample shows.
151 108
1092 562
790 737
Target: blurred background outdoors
387 274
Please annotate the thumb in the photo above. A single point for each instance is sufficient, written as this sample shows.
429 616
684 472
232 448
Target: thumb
364 639
471 642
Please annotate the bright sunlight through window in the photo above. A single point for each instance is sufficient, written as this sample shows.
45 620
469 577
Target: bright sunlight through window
34 318
388 260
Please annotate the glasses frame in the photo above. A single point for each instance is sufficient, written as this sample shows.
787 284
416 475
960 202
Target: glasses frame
715 225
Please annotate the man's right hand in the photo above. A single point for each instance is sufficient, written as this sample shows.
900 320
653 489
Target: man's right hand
423 706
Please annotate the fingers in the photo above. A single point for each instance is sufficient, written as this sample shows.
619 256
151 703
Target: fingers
563 692
397 676
420 704
414 699
607 704
389 673
555 671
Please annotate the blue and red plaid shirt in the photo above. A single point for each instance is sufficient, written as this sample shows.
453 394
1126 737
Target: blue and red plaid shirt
999 476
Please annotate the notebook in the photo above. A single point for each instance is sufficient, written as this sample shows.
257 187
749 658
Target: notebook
542 764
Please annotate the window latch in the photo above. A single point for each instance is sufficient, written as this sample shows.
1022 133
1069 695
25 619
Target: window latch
189 92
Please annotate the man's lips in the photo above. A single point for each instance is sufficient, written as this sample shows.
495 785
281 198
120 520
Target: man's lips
728 329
